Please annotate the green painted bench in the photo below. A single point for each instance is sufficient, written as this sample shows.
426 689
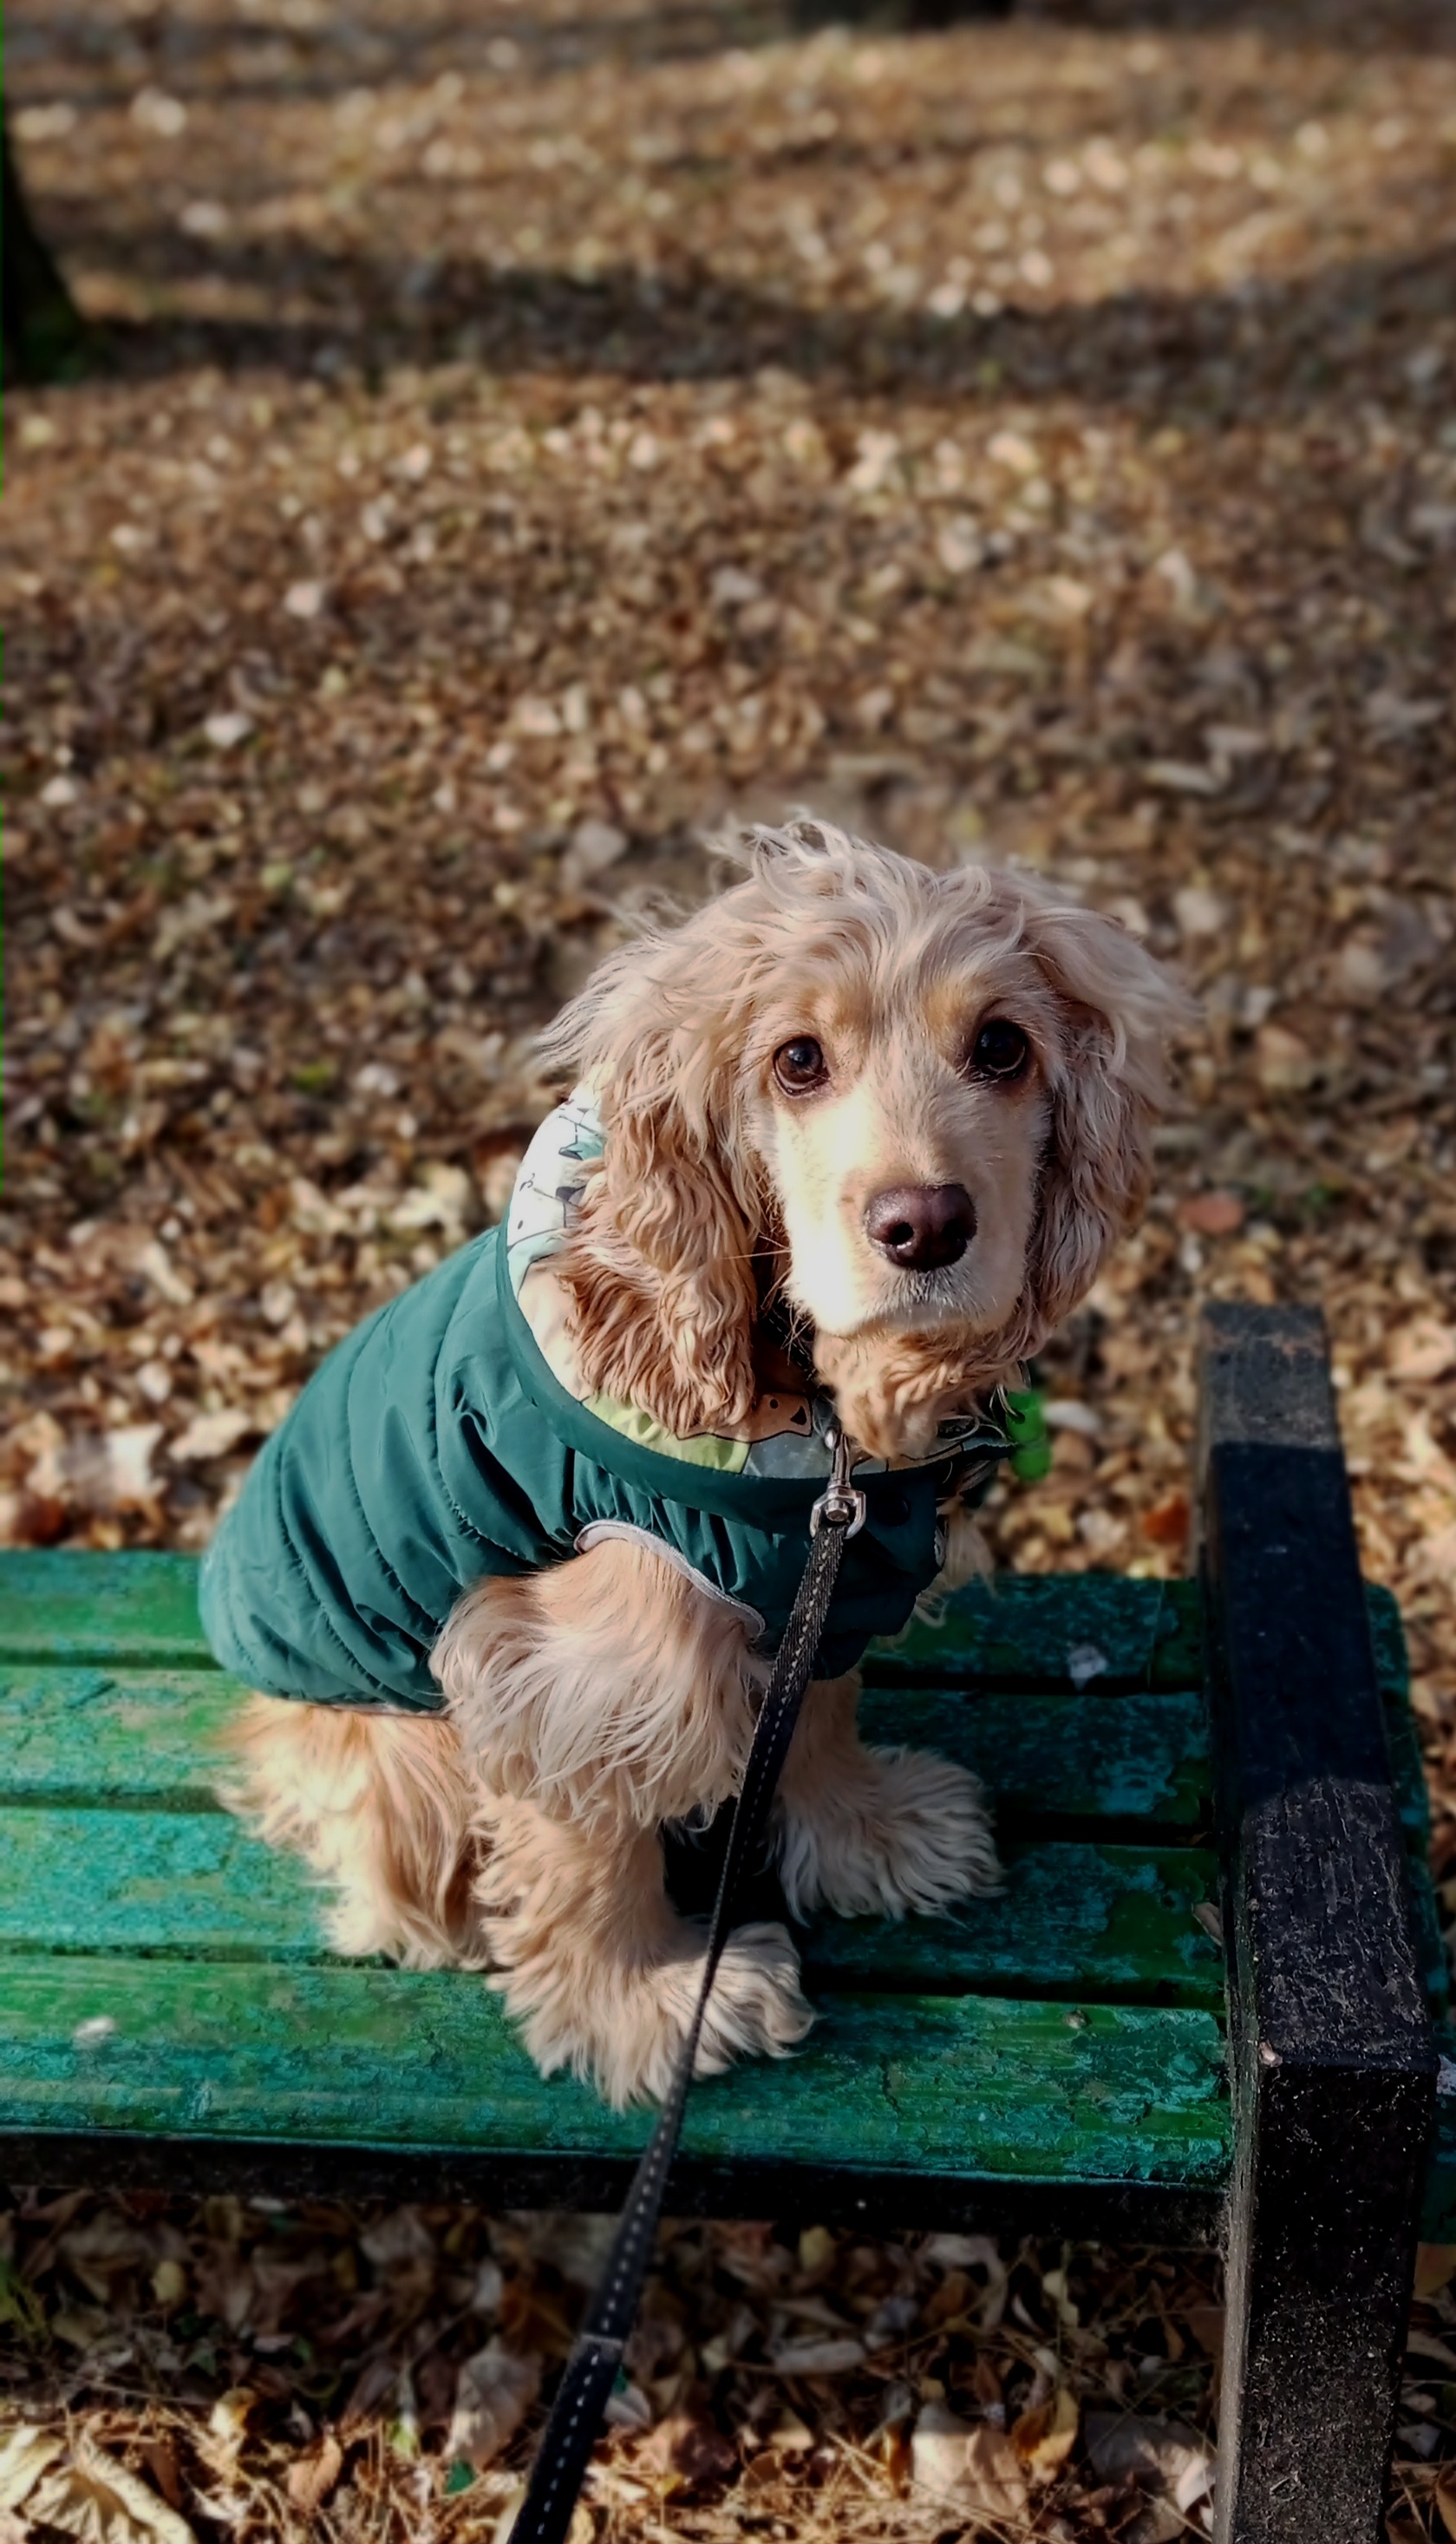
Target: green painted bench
1058 2059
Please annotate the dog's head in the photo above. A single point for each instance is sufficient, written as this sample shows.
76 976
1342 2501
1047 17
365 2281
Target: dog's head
917 1102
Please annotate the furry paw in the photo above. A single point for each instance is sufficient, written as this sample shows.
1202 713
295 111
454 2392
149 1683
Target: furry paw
757 2008
909 1831
621 2029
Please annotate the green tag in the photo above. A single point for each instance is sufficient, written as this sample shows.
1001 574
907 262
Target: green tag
1026 1429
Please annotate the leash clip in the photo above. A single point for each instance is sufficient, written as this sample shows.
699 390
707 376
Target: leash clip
841 1504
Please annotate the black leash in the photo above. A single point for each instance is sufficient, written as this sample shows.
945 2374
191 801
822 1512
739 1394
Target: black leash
562 2459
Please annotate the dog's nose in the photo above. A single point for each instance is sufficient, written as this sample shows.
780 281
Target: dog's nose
921 1225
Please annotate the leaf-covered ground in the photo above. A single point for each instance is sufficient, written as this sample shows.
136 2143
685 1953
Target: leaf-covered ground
529 440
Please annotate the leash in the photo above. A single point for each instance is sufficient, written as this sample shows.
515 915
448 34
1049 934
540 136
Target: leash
562 2459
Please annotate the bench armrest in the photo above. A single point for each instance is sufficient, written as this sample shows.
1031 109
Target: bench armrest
1333 2057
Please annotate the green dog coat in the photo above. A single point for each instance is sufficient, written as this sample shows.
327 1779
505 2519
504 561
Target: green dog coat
447 1439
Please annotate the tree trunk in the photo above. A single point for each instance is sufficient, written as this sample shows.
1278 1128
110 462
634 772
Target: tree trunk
44 334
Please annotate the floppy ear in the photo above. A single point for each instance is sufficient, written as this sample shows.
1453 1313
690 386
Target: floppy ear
1117 1008
659 1266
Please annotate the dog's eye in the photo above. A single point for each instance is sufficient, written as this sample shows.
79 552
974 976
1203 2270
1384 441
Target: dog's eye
1001 1050
800 1065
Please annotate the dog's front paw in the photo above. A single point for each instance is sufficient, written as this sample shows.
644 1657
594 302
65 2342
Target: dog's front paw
757 2009
910 1831
622 2028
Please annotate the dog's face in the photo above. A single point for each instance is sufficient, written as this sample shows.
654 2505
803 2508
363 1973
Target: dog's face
919 1101
902 1124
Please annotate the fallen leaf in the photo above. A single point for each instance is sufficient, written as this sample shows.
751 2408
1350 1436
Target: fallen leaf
693 2447
1435 2268
1163 2455
817 2357
25 2453
790 2435
594 848
1045 2438
1424 2345
101 2502
211 1435
495 2392
1211 1213
102 1471
938 2449
993 2481
311 2478
160 2457
1166 1522
975 2465
816 2250
1424 1350
229 2415
1284 1062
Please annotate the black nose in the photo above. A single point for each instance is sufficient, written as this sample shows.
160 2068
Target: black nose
921 1225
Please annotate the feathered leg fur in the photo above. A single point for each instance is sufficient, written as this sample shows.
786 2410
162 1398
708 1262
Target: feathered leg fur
875 1832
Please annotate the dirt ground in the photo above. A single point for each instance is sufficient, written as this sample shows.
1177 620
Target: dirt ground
529 440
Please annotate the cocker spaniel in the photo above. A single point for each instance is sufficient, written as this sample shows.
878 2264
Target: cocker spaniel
845 1144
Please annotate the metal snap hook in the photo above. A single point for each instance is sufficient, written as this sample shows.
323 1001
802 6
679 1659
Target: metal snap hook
841 1503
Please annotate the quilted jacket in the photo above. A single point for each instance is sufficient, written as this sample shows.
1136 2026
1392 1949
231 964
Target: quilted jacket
443 1441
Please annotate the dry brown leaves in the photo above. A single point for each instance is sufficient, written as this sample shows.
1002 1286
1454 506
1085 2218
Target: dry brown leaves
245 2366
527 444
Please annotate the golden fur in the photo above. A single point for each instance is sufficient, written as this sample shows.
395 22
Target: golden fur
590 1704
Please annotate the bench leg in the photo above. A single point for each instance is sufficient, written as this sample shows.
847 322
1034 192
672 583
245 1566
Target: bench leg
1322 2239
1334 2061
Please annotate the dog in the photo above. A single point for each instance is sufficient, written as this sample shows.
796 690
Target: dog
846 1144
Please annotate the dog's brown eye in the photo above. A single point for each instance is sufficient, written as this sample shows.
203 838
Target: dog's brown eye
800 1065
1001 1050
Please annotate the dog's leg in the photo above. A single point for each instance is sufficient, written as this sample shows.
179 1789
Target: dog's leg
602 1972
594 1702
380 1805
875 1832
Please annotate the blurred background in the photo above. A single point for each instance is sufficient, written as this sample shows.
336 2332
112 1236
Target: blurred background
483 451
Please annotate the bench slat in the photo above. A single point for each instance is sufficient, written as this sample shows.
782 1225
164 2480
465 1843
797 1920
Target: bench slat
1019 1630
1111 1922
96 1736
1052 1760
398 2059
138 1607
1115 1922
141 1607
101 1736
1040 1631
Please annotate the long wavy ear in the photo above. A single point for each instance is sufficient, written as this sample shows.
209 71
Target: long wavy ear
1118 1009
659 1266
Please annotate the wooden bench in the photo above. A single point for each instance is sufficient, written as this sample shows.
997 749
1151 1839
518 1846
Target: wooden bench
1173 1763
